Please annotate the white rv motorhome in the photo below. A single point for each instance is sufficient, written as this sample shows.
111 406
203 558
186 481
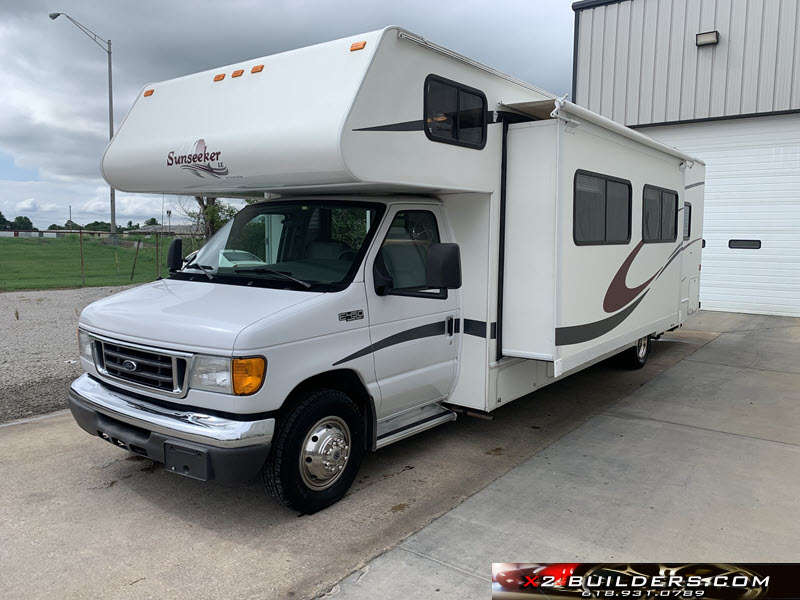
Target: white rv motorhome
432 236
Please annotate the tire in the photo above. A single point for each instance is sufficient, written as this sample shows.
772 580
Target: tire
636 357
316 453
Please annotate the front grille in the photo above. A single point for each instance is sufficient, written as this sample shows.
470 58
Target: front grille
143 367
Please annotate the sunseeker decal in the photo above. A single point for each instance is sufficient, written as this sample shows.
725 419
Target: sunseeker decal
199 161
617 296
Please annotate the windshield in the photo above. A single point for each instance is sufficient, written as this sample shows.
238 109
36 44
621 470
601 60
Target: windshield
299 244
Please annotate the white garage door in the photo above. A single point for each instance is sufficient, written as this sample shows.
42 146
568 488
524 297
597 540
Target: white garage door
751 262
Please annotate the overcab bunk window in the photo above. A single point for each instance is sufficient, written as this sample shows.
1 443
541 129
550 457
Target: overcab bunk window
659 215
454 113
602 209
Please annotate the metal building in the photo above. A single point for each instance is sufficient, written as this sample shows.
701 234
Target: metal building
719 79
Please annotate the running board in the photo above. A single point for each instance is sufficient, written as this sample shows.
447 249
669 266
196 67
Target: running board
408 424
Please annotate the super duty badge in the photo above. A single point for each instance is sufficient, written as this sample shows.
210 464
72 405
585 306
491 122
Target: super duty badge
353 315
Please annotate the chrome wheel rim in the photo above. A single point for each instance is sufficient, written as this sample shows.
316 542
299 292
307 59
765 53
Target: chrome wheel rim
325 452
641 347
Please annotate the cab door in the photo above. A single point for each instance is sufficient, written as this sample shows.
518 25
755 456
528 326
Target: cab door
412 328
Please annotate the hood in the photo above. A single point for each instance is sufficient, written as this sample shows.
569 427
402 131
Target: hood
187 315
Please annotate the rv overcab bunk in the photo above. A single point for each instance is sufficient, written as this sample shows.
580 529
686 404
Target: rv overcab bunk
429 235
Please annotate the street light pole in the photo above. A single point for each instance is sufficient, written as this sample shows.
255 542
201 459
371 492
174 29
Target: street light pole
106 47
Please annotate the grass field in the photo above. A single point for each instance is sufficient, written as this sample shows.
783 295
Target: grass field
49 263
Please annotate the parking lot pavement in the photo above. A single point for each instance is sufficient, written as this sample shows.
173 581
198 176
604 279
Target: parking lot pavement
80 518
700 463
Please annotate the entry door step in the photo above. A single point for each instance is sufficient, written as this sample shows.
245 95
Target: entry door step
405 425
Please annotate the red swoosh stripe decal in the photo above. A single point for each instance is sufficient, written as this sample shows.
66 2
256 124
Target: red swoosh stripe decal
618 293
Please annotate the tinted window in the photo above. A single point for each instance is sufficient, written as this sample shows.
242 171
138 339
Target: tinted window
590 209
659 215
454 113
442 110
651 215
471 117
404 251
669 216
602 210
618 222
687 220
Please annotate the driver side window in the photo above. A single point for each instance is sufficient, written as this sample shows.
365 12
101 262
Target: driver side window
404 251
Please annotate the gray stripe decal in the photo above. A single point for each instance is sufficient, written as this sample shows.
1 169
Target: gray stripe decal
404 126
476 328
471 327
566 336
416 333
419 125
691 185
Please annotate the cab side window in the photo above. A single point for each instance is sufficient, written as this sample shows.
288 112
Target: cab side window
401 261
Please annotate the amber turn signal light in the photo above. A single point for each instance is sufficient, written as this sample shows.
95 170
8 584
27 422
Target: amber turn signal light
257 69
237 73
148 93
219 77
357 46
248 375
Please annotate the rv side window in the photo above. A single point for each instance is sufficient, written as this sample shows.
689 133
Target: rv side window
687 220
602 209
404 252
454 113
659 215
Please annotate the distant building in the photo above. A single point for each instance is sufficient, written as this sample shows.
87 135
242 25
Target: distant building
178 229
719 79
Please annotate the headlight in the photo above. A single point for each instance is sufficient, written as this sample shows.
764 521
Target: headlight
85 345
212 373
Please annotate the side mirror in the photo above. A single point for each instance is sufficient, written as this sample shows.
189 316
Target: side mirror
175 255
443 267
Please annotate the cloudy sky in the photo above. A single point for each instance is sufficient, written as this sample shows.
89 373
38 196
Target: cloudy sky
53 96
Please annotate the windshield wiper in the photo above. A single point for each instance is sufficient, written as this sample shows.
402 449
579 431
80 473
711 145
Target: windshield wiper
305 284
204 268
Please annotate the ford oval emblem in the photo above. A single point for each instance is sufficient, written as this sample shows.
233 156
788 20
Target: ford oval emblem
129 365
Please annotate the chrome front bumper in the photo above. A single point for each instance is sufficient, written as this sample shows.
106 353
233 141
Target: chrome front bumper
185 425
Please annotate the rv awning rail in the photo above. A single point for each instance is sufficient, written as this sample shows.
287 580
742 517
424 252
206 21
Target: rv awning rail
548 109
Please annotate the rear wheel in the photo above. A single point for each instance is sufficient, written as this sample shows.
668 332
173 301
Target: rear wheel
316 453
636 357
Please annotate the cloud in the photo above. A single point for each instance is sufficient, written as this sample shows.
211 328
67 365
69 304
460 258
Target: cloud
54 92
28 205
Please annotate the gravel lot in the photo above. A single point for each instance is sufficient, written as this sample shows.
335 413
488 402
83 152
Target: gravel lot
39 349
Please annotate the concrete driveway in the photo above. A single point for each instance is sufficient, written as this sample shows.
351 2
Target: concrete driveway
701 463
79 518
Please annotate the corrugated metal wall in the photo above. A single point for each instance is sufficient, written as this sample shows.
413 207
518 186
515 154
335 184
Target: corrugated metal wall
637 61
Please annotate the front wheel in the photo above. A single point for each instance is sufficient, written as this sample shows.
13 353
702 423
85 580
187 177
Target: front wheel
636 357
316 453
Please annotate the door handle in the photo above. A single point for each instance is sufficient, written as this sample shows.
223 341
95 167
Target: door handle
449 326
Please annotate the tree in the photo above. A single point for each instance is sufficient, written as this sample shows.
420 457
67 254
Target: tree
98 226
72 225
213 213
131 225
151 221
55 227
22 224
3 222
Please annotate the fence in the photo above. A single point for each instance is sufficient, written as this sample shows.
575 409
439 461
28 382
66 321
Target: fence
31 260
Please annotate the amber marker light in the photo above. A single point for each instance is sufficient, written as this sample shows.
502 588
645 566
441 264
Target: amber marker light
148 93
219 77
248 375
257 69
237 73
357 46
